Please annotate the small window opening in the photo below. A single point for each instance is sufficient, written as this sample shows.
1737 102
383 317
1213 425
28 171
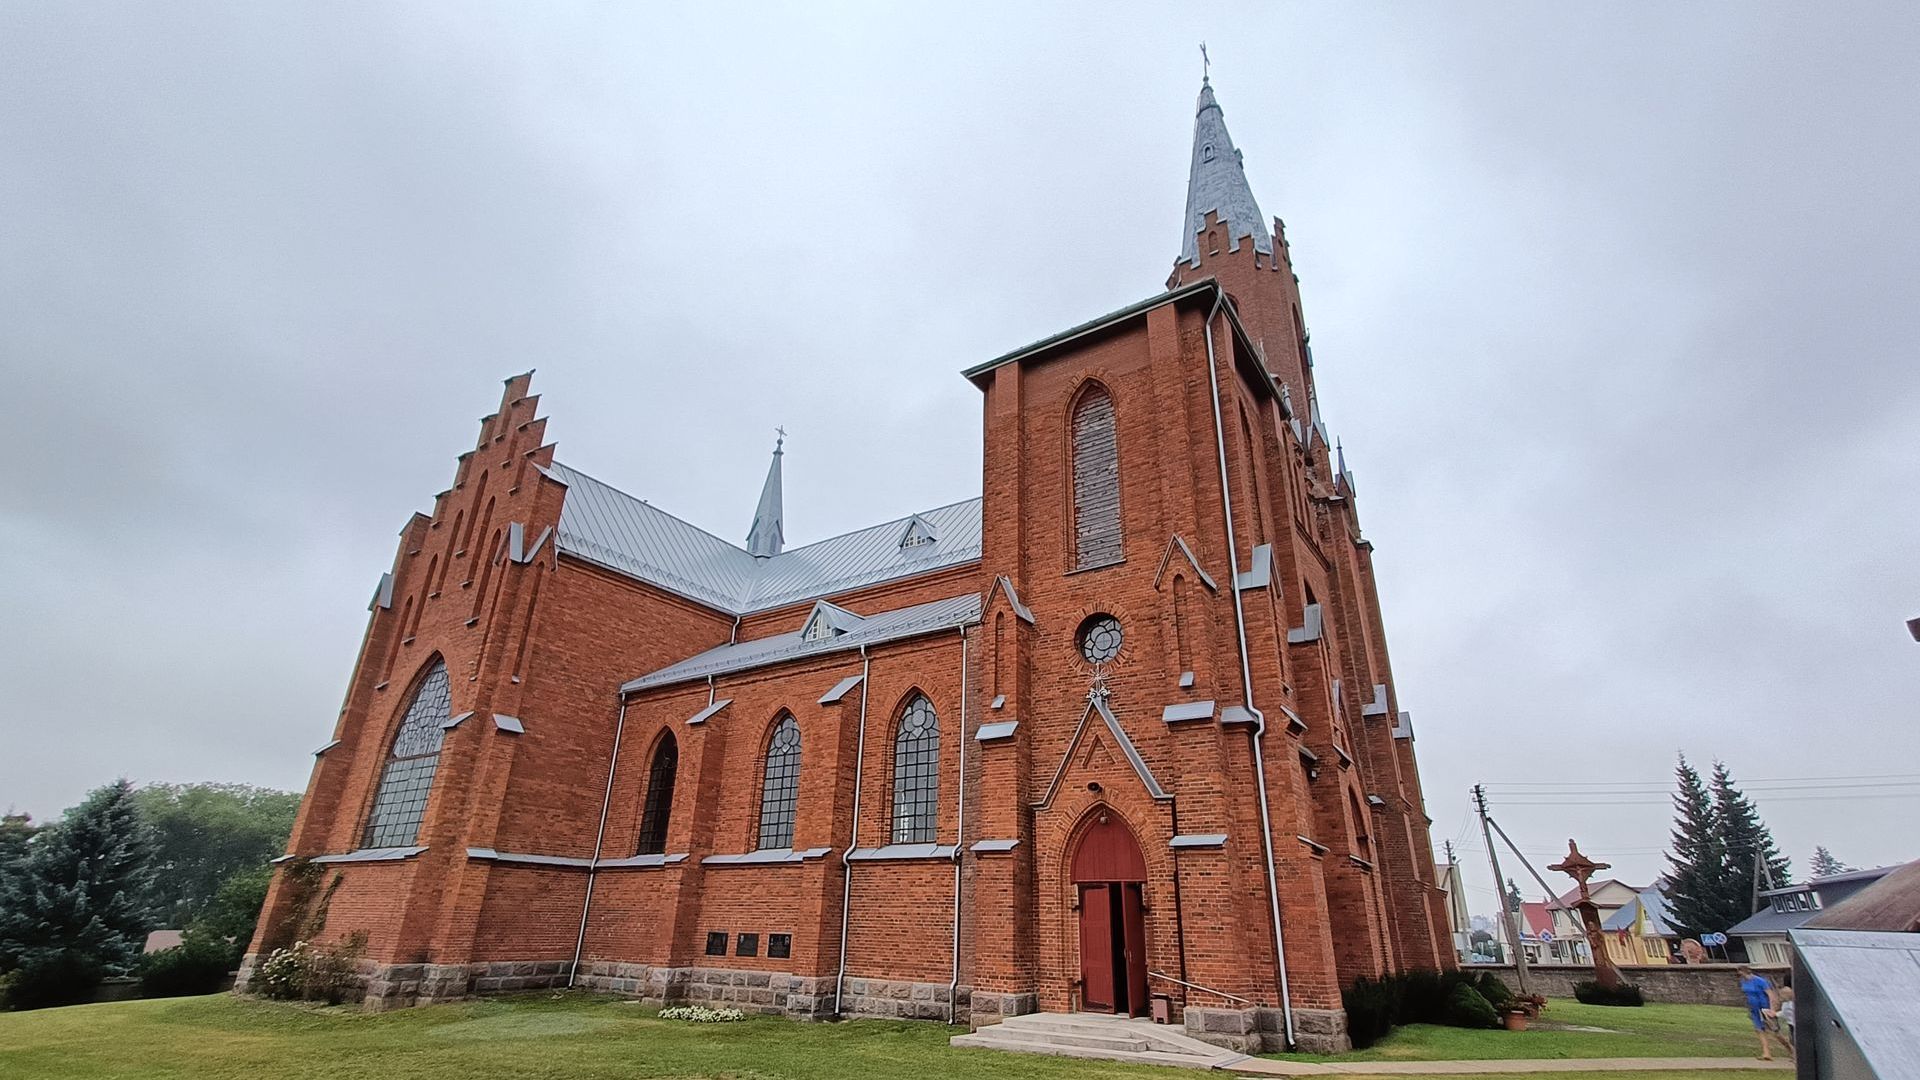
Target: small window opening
779 946
716 943
748 945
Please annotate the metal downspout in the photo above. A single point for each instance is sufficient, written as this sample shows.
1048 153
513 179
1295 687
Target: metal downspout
606 800
959 833
1246 669
853 841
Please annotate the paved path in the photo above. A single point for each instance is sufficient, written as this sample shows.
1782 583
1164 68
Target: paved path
1271 1067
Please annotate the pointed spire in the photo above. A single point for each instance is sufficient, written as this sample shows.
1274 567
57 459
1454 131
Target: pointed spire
765 538
1218 183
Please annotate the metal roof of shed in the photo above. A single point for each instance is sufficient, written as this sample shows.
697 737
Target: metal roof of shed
607 526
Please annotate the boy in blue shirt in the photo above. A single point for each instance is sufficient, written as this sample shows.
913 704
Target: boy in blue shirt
1760 1009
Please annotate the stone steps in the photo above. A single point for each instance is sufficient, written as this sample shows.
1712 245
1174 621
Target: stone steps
1091 1036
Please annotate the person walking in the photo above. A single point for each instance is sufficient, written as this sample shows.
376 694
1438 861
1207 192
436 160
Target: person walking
1761 1003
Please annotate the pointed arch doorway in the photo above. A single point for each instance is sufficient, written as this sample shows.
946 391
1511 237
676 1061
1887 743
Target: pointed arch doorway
1109 881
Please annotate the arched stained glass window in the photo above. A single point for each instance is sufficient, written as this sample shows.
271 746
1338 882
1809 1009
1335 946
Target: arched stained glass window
1096 480
916 774
401 801
780 790
659 805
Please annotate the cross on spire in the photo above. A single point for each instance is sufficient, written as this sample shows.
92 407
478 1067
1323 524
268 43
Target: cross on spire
1206 66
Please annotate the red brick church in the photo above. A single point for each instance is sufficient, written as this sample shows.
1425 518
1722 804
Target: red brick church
1123 726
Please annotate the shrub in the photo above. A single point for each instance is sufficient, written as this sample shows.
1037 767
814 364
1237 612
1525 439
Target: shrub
1423 997
1372 1010
310 972
1467 1008
49 978
1493 990
702 1014
1592 993
196 967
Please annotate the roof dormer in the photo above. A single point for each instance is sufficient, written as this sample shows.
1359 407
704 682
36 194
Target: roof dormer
827 621
919 533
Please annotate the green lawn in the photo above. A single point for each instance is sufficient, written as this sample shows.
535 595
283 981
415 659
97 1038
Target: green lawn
1648 1031
524 1038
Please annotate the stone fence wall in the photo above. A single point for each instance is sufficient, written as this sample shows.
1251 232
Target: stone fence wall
1677 984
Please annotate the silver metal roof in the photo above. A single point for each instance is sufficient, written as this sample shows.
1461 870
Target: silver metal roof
1218 182
872 630
768 535
605 525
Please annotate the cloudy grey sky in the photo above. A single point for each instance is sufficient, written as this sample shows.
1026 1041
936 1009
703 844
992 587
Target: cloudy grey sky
1614 311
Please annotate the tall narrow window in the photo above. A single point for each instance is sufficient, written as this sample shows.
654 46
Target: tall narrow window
659 805
401 801
780 790
1096 480
916 774
1182 648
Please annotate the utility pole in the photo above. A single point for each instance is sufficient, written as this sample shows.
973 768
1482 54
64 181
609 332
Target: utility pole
1512 918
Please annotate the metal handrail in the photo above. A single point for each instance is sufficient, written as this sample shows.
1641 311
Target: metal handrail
1207 989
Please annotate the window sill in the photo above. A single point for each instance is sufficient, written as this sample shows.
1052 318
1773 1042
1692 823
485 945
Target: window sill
385 854
765 856
901 852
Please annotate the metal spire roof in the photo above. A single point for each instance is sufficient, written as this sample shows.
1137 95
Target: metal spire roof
765 537
1217 182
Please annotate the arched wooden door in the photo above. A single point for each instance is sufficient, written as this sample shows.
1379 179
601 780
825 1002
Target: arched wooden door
1109 880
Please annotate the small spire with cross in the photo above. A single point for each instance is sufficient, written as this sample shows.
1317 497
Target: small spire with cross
1206 66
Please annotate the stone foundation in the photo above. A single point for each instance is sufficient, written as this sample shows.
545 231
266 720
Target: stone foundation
986 1007
379 987
1264 1030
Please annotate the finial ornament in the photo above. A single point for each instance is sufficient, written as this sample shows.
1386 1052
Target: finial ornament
1206 66
781 440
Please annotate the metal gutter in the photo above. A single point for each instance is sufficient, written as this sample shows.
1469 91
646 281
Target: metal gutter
1246 667
853 841
606 800
960 830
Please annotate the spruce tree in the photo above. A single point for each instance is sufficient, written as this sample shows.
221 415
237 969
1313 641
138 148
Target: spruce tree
1824 864
1745 836
76 908
1698 859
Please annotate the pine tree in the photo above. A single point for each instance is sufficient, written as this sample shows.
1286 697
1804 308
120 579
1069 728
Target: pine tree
1745 837
1514 899
1823 864
76 908
1698 859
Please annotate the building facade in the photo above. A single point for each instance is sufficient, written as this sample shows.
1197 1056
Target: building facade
1123 726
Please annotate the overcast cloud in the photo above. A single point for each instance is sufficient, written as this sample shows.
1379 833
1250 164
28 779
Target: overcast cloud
1615 314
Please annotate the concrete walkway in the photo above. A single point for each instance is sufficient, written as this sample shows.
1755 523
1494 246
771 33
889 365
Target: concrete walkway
1270 1067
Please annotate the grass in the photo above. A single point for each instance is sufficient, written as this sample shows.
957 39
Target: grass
534 1037
1647 1031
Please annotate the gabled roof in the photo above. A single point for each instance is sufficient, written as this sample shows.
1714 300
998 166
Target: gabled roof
780 648
1891 903
604 525
1650 901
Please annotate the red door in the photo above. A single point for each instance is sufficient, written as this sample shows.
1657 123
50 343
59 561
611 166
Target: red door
1096 948
1133 936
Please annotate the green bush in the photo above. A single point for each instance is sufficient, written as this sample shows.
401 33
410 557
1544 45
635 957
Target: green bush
1423 996
1493 990
196 967
1467 1008
1372 1010
1592 993
311 972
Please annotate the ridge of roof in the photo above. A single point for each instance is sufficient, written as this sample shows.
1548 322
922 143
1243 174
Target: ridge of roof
913 620
631 536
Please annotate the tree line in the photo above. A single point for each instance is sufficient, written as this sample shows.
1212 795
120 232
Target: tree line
1723 855
78 896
